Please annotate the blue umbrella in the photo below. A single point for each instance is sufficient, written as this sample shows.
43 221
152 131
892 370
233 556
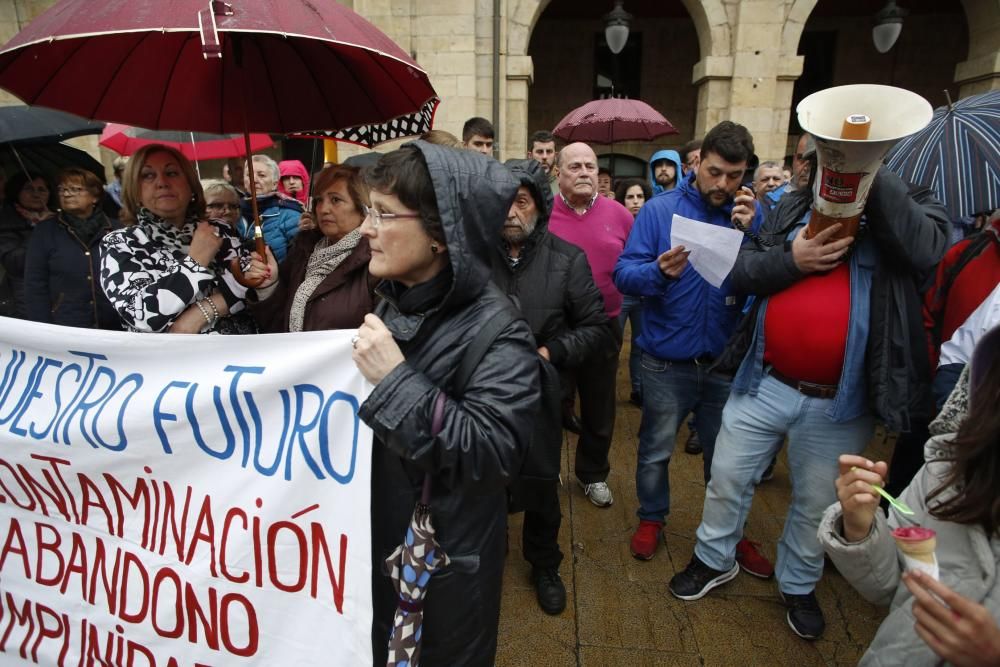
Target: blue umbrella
957 155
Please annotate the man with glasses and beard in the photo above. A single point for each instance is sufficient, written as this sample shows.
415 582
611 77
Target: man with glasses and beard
550 282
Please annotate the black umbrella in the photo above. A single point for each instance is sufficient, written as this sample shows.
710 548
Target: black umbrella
46 159
22 123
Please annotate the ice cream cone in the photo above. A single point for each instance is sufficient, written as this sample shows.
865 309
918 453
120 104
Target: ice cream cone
917 546
922 550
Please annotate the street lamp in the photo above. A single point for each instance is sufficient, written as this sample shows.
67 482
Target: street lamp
888 25
616 27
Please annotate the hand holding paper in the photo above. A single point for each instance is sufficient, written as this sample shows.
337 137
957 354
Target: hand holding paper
712 249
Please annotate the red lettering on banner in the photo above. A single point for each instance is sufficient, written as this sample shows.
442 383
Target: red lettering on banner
336 582
93 498
169 512
252 628
47 631
27 505
140 495
272 557
21 617
223 567
110 585
132 561
14 532
77 564
50 547
178 629
209 623
204 530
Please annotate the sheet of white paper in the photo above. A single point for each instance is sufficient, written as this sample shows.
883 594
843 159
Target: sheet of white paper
713 248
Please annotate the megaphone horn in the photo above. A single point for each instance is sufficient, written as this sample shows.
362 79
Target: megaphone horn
854 127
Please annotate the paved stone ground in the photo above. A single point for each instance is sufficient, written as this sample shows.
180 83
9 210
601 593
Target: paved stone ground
619 611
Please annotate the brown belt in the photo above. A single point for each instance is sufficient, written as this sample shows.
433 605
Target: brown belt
806 388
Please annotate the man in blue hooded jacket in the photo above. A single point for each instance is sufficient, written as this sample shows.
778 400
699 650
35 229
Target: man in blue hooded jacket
664 171
686 321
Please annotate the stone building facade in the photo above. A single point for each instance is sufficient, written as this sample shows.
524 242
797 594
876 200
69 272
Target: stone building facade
703 60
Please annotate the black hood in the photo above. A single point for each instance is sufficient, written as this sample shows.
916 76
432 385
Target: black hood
530 174
473 193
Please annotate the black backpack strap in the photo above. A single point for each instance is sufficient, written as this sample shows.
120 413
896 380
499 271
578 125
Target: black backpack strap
478 347
977 243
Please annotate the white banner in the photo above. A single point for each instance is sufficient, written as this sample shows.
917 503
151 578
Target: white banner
182 500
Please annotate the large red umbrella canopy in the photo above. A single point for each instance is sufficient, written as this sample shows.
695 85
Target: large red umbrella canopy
126 140
285 65
612 120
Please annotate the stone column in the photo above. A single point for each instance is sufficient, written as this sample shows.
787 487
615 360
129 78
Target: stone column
981 71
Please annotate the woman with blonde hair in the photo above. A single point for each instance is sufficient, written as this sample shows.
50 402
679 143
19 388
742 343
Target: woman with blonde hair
167 270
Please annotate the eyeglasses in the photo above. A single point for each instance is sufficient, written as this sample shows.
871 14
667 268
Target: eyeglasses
378 218
70 191
225 208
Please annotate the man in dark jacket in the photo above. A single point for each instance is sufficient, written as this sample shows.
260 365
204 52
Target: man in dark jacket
836 341
550 281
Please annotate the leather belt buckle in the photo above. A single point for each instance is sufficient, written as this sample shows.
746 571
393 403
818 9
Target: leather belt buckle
817 390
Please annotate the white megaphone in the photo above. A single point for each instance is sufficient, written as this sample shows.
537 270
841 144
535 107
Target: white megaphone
854 127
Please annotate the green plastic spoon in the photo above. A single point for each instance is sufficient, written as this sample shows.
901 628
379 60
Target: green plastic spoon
899 505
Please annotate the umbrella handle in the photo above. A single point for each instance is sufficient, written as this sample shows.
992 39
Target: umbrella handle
237 270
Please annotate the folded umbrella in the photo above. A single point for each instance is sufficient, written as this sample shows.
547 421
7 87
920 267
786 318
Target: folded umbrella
957 155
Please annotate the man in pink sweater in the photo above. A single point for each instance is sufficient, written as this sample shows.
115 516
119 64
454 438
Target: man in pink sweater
599 226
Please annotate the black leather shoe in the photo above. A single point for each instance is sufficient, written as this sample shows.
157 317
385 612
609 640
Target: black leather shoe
572 423
693 445
550 590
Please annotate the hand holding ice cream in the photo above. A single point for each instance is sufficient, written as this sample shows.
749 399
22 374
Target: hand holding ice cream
857 498
956 628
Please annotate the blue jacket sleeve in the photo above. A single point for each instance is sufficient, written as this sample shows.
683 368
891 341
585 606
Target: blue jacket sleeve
637 272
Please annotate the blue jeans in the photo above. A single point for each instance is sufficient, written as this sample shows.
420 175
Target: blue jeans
753 428
632 311
669 392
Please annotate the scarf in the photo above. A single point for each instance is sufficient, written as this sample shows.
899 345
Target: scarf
86 229
323 261
33 217
178 239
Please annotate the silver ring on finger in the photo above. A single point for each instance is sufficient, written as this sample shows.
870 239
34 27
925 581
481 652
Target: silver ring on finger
354 340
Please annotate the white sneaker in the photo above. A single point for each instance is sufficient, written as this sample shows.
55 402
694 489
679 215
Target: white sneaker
598 492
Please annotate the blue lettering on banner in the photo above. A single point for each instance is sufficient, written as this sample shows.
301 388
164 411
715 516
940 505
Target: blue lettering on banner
85 399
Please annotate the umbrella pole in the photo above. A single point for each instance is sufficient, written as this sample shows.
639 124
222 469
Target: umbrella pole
17 156
258 231
194 151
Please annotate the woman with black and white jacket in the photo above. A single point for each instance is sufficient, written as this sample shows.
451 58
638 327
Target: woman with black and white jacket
167 271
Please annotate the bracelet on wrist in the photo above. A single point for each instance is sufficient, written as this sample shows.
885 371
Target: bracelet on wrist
215 310
204 313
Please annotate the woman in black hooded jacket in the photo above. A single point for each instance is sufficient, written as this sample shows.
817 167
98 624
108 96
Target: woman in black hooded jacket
436 216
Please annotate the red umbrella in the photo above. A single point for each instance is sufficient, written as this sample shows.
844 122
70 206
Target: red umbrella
274 66
126 140
174 64
609 121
